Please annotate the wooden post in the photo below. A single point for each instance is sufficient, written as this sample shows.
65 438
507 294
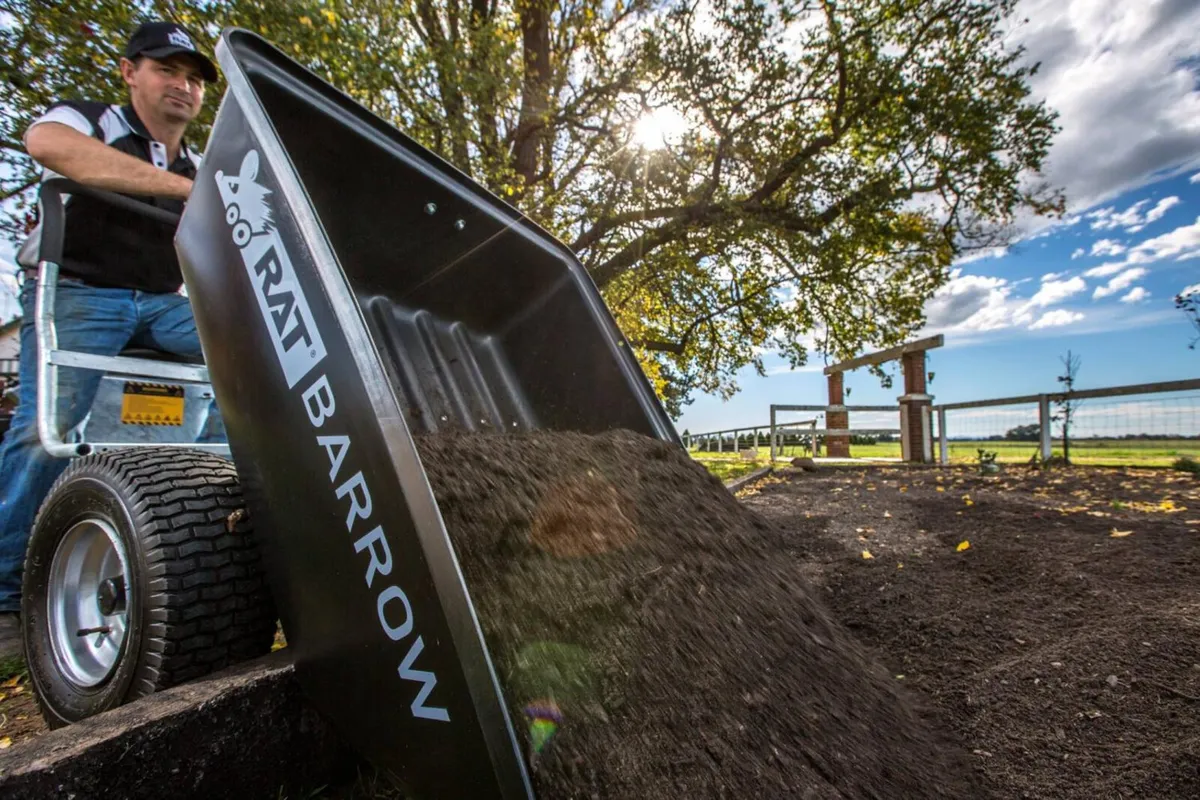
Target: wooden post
916 442
943 442
837 418
772 434
1045 433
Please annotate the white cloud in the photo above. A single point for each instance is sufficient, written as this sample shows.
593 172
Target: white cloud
979 255
1056 291
1121 75
1161 208
1104 270
1052 276
1079 252
1131 219
784 369
1107 247
1195 287
1107 219
973 304
1136 295
1181 244
1122 281
1195 178
1056 318
970 303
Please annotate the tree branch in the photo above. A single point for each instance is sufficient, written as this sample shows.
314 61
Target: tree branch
19 190
602 227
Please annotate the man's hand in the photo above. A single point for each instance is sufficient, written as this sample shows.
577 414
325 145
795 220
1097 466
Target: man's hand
90 162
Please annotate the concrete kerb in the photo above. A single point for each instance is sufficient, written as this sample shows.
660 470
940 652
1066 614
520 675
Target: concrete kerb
738 483
242 733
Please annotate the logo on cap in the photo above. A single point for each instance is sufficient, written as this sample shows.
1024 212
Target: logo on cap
180 39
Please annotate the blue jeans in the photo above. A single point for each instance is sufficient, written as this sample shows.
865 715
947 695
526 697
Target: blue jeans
89 320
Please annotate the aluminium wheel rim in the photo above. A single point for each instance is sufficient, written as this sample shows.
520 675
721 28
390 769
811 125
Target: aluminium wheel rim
87 606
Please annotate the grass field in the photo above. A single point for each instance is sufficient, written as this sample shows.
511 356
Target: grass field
727 467
1086 452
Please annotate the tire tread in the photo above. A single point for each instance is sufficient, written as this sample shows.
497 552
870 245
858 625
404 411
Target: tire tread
207 604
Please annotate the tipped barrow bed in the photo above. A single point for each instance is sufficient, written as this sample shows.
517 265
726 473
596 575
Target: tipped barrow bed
352 291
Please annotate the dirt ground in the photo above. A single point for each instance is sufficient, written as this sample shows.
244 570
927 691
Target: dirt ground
1053 620
19 717
1049 622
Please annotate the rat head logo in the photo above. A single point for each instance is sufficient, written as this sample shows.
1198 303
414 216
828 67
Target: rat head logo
180 39
245 200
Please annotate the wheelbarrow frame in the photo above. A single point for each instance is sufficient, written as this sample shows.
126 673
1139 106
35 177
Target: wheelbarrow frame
50 358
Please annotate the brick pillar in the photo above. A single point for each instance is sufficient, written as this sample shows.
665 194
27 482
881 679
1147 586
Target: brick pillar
916 432
836 416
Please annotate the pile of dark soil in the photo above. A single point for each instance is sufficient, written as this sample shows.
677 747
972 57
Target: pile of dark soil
661 636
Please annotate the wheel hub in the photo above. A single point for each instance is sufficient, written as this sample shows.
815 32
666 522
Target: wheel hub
110 597
87 602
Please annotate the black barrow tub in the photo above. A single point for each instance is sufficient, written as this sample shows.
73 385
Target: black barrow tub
352 289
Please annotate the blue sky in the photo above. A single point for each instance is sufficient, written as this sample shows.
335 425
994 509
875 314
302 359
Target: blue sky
1090 285
1124 76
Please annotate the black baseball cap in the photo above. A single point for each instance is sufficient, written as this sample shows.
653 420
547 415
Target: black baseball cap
162 39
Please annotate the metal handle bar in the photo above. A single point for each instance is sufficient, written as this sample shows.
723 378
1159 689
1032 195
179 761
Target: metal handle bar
54 212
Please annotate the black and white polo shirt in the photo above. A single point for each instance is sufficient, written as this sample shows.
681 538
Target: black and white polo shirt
108 246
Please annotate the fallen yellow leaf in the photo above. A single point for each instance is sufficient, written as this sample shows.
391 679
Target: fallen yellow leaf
867 554
963 545
11 682
6 742
903 488
1116 534
900 565
967 499
941 488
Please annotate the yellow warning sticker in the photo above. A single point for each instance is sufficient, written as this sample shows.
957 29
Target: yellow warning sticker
151 404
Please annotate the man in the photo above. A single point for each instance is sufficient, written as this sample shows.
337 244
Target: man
120 277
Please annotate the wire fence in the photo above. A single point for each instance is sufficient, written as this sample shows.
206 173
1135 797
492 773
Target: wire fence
801 431
747 442
1156 426
1142 425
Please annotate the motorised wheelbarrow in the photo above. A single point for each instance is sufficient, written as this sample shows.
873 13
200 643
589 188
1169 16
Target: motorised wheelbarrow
353 291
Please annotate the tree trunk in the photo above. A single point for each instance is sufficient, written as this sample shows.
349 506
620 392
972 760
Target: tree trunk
535 35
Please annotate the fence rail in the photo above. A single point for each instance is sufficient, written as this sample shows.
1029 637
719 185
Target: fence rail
736 434
818 434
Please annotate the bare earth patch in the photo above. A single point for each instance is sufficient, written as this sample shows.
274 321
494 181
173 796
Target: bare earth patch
19 717
1053 620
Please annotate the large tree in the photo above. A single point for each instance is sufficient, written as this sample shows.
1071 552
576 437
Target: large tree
738 177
